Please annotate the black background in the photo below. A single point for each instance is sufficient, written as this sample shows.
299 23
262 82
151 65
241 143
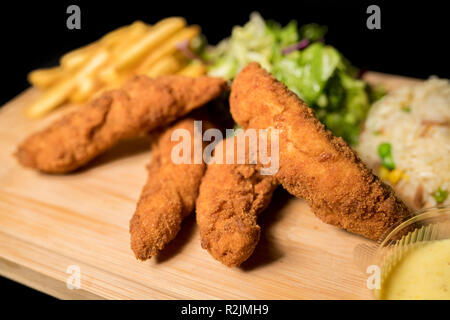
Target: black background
412 40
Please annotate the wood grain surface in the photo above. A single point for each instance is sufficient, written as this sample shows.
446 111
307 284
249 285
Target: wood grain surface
51 222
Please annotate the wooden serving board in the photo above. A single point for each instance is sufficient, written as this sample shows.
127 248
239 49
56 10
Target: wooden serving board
51 222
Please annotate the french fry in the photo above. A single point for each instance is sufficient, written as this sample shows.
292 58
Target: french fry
168 47
43 78
51 98
154 37
134 33
84 90
164 66
77 57
116 36
59 93
116 83
110 74
108 62
194 69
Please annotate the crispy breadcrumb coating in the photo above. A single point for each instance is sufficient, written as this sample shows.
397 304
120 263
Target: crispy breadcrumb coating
314 164
141 105
167 197
230 199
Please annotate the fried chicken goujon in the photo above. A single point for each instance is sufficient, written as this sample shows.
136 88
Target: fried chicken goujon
167 197
141 105
230 199
314 164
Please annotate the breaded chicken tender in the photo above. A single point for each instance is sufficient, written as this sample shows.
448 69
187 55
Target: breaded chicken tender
167 197
230 199
314 164
141 105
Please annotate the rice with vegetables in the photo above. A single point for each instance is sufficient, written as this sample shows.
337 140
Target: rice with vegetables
406 141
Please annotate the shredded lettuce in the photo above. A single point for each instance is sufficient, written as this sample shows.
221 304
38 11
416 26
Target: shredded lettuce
307 72
313 32
317 73
249 43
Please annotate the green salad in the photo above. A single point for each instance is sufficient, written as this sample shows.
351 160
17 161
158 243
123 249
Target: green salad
316 72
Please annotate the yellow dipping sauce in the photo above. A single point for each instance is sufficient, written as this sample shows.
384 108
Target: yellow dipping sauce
423 273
